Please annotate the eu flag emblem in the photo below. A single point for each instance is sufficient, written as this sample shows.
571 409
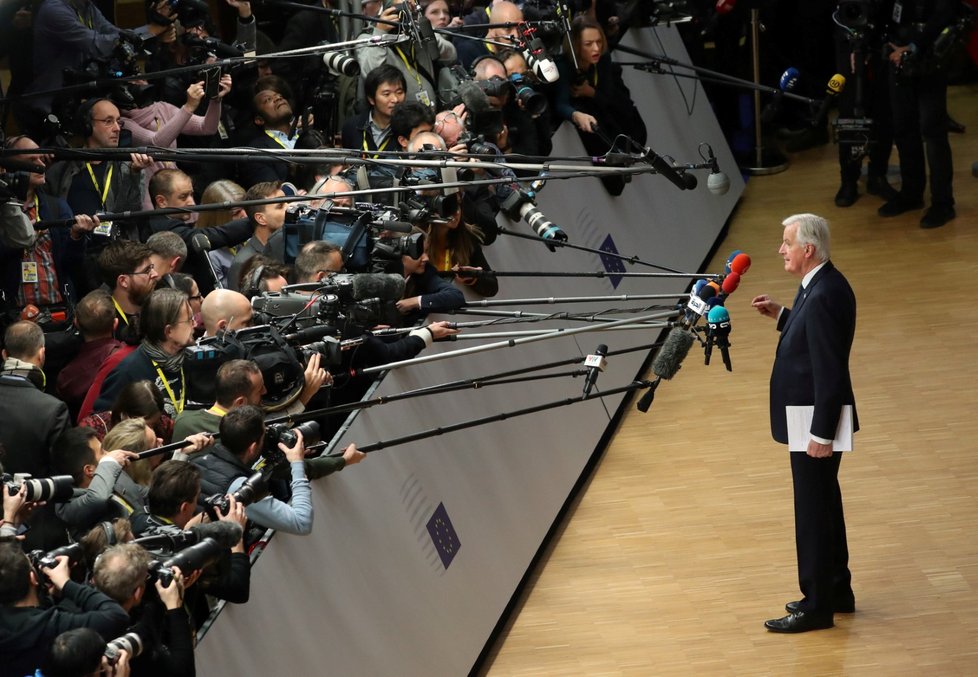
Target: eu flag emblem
612 264
443 535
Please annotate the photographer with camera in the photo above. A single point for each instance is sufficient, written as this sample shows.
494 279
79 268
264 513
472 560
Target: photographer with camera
29 621
96 472
918 93
524 136
16 511
82 653
158 616
415 61
174 494
228 465
424 290
32 421
502 17
36 272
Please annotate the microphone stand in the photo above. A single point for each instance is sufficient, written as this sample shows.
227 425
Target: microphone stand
451 386
511 343
472 423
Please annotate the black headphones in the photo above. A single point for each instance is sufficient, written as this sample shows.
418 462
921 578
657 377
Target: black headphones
109 531
86 115
254 282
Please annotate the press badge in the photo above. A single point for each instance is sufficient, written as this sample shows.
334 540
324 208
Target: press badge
423 97
104 228
28 272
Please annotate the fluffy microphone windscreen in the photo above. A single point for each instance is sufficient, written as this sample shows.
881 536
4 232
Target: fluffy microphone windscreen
385 286
672 353
226 533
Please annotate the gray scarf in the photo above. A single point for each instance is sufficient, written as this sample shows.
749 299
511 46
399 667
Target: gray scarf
169 363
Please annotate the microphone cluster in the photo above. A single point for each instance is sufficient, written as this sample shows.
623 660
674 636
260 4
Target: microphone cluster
707 297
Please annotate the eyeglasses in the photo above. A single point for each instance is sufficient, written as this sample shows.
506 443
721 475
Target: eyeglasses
108 122
149 269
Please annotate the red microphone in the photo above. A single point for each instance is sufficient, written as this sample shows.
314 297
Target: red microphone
740 263
730 283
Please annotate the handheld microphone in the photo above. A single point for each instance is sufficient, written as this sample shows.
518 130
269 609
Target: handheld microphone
730 283
535 53
201 244
788 81
595 365
717 182
339 63
832 90
718 331
646 400
740 263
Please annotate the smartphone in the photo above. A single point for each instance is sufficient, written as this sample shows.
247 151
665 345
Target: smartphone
212 82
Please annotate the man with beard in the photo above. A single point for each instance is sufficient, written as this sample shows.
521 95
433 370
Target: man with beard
127 269
273 120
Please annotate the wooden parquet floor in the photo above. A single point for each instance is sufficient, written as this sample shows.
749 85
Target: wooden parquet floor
682 544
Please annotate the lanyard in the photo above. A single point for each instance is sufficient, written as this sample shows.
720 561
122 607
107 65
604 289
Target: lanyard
217 411
37 211
108 182
177 405
84 22
121 312
381 147
412 71
276 139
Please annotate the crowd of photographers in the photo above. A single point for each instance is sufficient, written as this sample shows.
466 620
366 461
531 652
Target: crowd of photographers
154 365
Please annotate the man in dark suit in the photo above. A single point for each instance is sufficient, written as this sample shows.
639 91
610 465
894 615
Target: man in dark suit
811 367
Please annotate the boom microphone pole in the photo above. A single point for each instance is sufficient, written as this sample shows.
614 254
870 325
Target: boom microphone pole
451 386
472 423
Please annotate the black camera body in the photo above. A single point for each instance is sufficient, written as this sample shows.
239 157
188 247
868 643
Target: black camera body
14 185
195 557
254 489
282 432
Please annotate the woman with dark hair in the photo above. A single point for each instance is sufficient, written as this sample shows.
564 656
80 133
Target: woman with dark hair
166 321
188 285
139 399
594 96
457 245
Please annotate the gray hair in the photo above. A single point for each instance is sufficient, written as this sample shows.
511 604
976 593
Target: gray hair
813 230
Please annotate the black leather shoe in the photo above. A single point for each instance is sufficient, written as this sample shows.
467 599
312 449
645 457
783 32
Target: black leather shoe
847 195
935 217
900 205
798 622
839 608
878 185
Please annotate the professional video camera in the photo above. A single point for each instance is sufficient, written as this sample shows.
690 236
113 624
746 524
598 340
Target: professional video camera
130 642
857 15
277 359
552 18
55 489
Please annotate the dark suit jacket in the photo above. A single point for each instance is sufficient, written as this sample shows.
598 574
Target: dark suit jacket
811 366
252 171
